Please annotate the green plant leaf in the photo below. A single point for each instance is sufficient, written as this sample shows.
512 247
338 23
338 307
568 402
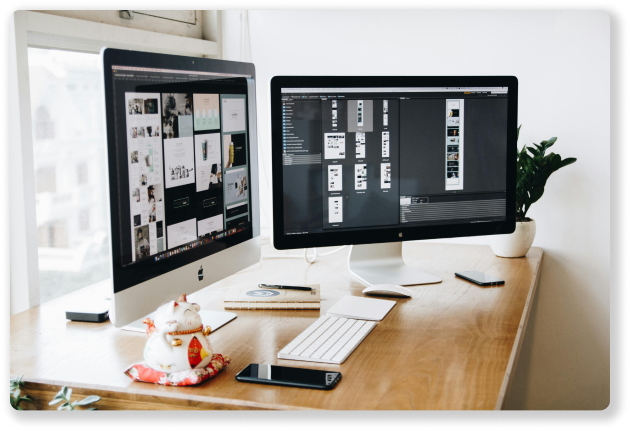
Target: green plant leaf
16 383
557 161
64 391
536 194
55 400
69 394
568 161
89 400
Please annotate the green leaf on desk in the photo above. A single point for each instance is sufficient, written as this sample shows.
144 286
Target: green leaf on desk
66 406
89 400
56 400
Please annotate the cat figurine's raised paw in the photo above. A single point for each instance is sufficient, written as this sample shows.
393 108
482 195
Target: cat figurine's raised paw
177 339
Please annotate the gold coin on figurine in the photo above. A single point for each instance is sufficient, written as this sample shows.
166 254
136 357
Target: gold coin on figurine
206 331
176 342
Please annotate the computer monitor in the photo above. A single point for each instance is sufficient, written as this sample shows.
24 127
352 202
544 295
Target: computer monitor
374 161
183 175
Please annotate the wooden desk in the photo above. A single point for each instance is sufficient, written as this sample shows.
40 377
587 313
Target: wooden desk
453 345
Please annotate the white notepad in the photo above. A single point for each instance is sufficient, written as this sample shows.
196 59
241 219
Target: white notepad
357 307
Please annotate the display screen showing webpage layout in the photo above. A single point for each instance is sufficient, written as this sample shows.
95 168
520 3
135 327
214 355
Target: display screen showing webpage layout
183 163
371 158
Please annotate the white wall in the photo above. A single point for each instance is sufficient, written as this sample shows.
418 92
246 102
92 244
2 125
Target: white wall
562 61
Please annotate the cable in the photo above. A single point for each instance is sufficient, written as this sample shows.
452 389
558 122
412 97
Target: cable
310 262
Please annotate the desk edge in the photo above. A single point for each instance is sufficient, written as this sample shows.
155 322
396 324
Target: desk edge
518 342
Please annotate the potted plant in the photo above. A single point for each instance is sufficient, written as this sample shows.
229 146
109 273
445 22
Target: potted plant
533 169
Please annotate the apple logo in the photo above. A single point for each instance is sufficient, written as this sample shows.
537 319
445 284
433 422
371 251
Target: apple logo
200 273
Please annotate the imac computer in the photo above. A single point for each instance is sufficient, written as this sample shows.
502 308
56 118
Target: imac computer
374 161
183 176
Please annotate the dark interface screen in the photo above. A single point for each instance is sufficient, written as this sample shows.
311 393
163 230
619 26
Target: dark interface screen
183 160
356 158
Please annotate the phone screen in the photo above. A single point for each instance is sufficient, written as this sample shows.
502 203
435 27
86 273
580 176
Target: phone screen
480 277
288 376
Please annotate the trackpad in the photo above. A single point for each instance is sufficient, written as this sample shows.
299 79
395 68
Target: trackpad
213 319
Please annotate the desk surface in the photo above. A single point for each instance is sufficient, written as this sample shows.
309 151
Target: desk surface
452 346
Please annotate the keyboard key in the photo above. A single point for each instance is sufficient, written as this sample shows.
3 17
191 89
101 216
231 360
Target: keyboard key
308 331
332 340
322 339
354 342
343 340
314 336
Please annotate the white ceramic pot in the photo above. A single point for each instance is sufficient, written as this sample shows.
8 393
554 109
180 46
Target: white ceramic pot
516 244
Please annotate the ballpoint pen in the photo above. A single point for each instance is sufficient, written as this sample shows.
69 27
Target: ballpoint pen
274 286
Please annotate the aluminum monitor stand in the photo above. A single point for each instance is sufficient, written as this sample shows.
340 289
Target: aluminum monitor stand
383 264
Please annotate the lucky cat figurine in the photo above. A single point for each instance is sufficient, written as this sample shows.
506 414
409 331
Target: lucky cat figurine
177 339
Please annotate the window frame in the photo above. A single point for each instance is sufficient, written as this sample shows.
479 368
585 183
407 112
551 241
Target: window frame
39 30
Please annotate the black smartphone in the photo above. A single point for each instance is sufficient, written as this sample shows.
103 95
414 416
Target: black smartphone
479 278
287 376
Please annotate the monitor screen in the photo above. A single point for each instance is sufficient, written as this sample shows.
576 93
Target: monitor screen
379 157
182 167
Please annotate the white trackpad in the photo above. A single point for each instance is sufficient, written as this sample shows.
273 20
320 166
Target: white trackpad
213 319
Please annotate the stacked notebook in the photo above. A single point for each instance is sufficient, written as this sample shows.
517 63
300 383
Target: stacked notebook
255 298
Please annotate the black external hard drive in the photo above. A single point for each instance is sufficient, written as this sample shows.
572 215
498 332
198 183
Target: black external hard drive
93 311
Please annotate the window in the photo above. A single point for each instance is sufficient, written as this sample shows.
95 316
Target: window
46 179
67 129
82 173
43 127
84 219
53 234
68 140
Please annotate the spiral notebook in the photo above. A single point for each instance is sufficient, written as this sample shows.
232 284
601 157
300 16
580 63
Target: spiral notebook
255 298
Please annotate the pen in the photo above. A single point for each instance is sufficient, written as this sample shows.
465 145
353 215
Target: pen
274 286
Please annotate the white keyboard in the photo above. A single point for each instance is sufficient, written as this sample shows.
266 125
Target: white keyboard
329 339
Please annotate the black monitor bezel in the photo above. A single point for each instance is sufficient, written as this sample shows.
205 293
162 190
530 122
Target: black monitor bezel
131 275
398 233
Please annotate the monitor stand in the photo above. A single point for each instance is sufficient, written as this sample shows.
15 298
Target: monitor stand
383 264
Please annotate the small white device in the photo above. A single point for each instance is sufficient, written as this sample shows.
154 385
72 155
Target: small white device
388 290
360 308
211 318
329 339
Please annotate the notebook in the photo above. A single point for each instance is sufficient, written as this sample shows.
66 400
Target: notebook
255 298
357 307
